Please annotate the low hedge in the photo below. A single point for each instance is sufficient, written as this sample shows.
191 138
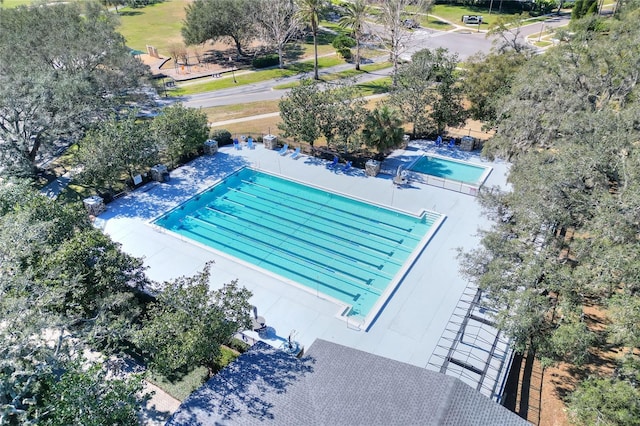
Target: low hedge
223 136
265 61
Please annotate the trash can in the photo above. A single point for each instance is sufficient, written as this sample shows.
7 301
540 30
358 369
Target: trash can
94 205
159 173
467 143
372 167
270 141
210 146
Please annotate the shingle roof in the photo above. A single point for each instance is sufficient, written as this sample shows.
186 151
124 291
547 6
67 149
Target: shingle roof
335 385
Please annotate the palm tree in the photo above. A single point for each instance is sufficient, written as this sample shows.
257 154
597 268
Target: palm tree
383 128
309 11
355 14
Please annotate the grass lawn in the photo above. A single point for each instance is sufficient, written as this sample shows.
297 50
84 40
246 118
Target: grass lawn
254 76
428 21
8 4
157 25
254 127
453 13
182 388
543 43
341 74
374 87
230 112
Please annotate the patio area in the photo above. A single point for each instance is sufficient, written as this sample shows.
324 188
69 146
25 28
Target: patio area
407 329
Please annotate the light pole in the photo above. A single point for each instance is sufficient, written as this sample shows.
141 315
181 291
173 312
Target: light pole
541 29
233 70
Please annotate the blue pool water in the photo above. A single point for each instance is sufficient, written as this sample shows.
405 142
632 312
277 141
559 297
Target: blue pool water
347 249
448 169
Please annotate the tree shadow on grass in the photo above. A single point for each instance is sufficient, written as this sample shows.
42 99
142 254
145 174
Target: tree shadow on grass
293 52
129 13
438 23
376 88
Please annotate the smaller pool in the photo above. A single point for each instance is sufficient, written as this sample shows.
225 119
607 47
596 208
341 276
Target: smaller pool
444 168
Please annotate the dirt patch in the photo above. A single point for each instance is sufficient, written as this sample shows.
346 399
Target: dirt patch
540 395
470 128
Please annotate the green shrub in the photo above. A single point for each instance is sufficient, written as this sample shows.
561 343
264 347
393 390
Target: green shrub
343 42
269 60
345 54
223 136
343 45
238 345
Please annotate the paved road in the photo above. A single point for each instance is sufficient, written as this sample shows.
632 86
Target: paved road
465 42
264 91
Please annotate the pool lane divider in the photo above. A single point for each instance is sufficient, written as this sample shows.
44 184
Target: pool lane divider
333 235
346 275
306 288
305 241
329 206
361 230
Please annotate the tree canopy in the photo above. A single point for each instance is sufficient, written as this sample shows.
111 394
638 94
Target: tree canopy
310 12
56 82
115 149
566 232
278 23
188 323
312 110
179 131
63 286
210 20
428 92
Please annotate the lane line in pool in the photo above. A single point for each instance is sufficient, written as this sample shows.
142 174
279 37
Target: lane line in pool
278 266
331 253
333 235
328 206
287 207
300 257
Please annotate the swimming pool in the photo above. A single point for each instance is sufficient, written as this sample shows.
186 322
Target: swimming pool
346 250
453 170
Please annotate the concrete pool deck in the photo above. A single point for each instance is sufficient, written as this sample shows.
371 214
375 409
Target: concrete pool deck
410 325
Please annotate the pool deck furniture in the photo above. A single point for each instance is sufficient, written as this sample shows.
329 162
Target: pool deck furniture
250 143
452 143
346 167
400 180
236 144
296 153
258 323
334 162
439 141
284 149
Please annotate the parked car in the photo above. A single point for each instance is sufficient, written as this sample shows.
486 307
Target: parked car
411 23
472 19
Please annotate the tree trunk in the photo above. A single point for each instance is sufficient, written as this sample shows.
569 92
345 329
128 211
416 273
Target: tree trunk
34 151
315 50
280 54
238 47
358 54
